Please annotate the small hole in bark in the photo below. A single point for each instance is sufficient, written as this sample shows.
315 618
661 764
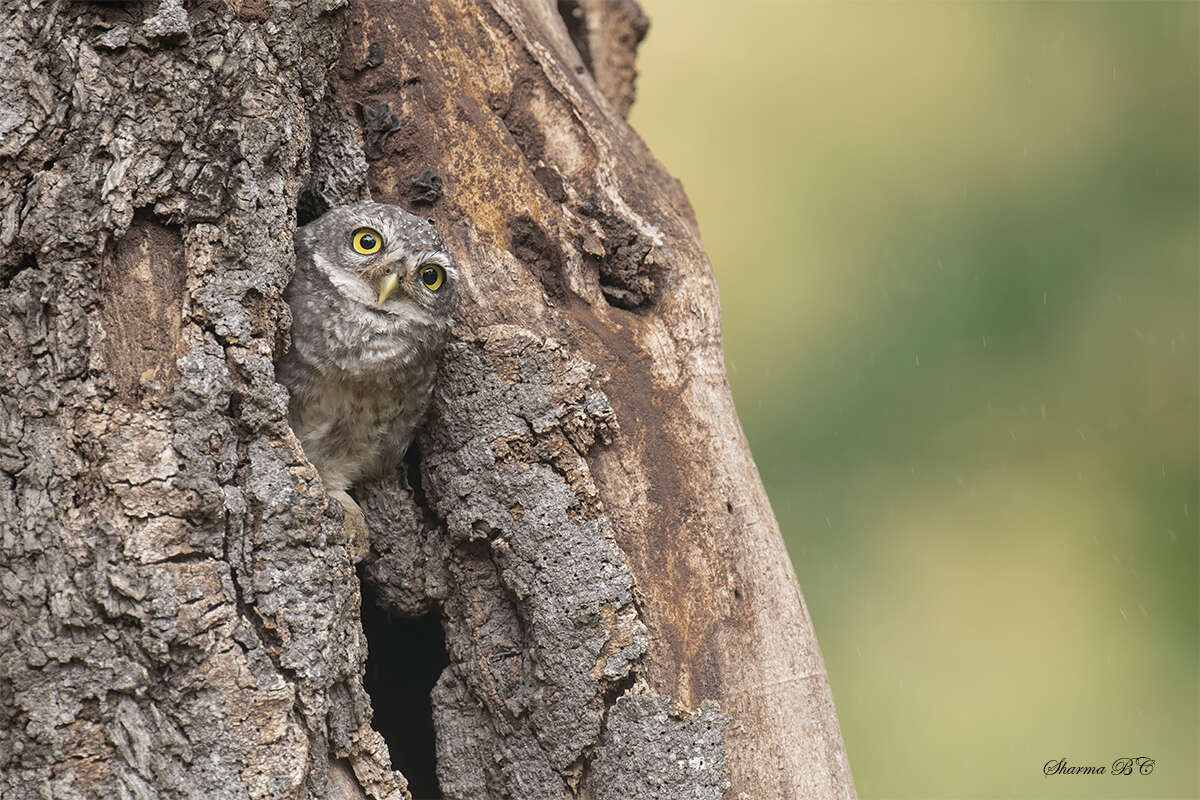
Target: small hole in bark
7 273
412 471
625 266
574 17
615 691
728 507
404 659
309 208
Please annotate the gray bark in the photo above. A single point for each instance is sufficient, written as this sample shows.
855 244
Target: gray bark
179 613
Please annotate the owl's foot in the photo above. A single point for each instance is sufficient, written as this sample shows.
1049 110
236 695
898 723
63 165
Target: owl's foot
354 526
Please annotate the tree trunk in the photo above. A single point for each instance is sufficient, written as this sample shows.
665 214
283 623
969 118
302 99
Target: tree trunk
580 555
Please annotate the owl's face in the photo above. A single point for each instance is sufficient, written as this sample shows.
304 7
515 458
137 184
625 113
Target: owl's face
382 258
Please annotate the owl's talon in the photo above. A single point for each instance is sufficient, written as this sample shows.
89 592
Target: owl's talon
354 527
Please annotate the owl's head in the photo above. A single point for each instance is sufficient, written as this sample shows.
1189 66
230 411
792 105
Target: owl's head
383 258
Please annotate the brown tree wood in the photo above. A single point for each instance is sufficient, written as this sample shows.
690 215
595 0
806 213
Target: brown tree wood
180 616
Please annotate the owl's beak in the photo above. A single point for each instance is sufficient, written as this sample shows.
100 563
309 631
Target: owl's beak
387 285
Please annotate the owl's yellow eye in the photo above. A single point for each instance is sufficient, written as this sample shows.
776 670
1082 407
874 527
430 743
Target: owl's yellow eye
367 241
433 276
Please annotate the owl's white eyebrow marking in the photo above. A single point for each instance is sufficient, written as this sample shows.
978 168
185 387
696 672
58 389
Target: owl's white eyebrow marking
431 257
345 282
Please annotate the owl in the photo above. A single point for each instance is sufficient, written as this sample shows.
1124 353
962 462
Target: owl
371 303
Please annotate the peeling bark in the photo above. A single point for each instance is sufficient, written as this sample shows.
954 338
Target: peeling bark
180 616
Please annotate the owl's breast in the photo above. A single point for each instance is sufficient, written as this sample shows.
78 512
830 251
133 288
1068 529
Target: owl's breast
360 381
353 426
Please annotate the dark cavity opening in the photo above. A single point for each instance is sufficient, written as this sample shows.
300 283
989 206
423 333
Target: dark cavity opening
574 16
308 208
412 471
404 659
7 273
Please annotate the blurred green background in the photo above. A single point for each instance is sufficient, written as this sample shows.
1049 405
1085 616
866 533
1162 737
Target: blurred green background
957 248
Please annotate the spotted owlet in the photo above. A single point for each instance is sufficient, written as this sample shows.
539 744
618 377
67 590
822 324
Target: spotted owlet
371 303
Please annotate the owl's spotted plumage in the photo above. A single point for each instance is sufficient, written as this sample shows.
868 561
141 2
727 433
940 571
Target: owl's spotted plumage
371 303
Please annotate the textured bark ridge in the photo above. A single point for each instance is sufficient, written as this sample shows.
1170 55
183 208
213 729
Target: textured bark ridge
179 615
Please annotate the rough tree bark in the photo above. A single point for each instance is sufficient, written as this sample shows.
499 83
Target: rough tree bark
580 519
